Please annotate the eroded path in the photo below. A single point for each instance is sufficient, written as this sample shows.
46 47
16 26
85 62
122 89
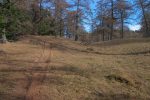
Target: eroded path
30 76
35 80
37 76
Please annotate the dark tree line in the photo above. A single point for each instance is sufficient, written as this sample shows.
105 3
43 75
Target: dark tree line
63 18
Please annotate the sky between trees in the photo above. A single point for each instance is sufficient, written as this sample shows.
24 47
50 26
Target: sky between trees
134 23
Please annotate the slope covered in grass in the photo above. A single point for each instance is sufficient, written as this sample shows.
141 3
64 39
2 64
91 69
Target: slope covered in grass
49 68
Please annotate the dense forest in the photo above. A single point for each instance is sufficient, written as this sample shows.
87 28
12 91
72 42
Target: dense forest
107 20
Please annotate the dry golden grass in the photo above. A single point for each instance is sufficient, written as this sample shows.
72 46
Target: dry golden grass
72 71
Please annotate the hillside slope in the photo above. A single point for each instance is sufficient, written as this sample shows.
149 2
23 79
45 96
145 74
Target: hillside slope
49 68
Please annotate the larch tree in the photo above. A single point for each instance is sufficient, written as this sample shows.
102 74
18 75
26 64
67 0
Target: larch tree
144 6
81 8
123 12
71 23
112 18
36 7
60 15
107 9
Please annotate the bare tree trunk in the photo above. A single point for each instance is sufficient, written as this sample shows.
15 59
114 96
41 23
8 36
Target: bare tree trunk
77 21
145 20
41 6
37 11
103 32
112 17
34 30
103 36
61 22
60 30
4 39
108 36
122 25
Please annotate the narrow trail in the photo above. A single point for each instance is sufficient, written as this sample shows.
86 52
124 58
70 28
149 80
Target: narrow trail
35 79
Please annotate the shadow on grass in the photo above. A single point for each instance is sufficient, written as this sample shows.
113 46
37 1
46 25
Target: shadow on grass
11 97
124 54
71 70
118 79
101 96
